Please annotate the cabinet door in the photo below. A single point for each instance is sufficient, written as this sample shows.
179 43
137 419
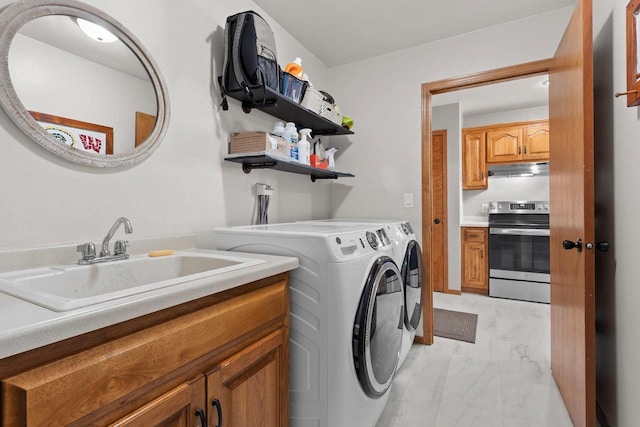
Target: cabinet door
250 389
474 176
184 406
474 260
536 142
504 145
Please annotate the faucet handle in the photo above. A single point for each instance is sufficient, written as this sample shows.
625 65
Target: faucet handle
88 251
120 247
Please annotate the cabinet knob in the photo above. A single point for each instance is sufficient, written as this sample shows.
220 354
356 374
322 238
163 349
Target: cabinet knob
436 221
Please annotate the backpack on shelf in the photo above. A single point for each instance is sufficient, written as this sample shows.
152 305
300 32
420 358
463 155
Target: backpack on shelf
250 59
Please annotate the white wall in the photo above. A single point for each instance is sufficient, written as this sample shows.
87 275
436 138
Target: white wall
383 96
511 116
517 188
448 117
185 186
617 151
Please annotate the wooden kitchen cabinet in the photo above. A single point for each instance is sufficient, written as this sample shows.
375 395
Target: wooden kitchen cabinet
504 145
536 142
165 368
475 262
518 142
474 173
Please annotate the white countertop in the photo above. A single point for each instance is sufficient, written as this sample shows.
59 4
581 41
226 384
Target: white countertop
474 221
25 326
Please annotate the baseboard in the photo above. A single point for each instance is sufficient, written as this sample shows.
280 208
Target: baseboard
475 290
420 340
453 292
602 418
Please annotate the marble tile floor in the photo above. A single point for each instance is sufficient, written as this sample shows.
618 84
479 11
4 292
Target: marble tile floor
503 380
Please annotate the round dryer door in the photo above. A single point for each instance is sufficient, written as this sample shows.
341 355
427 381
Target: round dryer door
377 332
413 278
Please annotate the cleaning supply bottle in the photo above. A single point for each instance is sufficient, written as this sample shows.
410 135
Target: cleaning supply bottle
295 68
278 129
329 154
290 135
304 147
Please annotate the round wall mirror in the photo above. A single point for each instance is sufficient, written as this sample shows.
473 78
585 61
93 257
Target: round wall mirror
80 84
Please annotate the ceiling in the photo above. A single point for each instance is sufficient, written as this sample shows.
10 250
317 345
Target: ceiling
518 94
340 32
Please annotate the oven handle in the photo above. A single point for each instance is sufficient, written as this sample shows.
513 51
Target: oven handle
520 231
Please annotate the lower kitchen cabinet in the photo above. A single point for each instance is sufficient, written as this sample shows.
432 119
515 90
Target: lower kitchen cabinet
475 262
219 360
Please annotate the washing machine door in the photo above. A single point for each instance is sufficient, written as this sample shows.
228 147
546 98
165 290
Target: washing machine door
377 332
413 279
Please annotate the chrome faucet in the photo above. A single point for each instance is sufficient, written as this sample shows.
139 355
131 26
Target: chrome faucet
119 248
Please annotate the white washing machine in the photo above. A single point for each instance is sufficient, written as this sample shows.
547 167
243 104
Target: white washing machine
408 257
346 317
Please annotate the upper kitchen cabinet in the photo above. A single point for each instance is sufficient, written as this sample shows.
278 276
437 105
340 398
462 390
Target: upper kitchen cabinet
504 145
536 141
518 142
474 175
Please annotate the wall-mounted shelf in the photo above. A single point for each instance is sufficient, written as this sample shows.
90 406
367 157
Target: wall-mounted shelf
264 160
277 105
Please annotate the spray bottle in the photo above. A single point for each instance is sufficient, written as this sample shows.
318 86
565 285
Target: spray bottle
304 147
329 154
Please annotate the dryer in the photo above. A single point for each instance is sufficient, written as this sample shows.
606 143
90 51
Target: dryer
346 317
408 256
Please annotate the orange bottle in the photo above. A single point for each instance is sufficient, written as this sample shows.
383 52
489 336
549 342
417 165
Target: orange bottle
294 68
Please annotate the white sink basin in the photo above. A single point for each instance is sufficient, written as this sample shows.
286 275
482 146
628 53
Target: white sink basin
66 287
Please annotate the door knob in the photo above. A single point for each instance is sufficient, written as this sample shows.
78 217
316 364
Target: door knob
602 246
568 245
436 221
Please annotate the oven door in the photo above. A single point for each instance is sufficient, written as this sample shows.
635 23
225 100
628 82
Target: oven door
519 254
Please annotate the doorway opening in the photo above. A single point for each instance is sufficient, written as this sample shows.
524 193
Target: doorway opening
430 213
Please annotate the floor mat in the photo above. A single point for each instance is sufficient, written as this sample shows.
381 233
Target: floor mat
456 325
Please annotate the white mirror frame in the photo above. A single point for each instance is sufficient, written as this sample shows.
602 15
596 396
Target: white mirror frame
13 17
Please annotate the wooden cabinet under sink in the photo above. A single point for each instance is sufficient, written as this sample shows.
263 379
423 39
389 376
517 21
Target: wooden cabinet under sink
223 355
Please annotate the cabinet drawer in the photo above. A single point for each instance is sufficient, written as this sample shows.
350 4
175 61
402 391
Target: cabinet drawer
100 378
474 234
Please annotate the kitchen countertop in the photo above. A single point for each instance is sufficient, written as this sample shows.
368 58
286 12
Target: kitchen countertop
25 326
472 221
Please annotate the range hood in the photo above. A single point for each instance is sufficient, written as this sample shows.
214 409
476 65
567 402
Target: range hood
519 170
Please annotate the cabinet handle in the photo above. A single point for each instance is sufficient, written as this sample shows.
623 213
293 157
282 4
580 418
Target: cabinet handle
520 149
525 149
482 175
481 254
216 404
203 417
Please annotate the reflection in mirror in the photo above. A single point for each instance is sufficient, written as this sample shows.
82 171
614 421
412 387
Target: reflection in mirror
78 90
58 70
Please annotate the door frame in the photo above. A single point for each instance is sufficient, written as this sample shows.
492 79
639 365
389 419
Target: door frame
428 90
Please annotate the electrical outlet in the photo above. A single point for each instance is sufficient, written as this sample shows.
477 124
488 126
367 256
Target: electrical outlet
264 190
408 200
485 207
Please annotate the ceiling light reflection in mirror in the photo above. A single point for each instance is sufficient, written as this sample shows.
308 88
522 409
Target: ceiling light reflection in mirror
57 70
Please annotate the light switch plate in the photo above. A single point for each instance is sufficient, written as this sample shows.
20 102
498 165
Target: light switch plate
408 200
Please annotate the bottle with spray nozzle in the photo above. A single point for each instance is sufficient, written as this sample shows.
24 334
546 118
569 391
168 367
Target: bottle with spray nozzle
304 146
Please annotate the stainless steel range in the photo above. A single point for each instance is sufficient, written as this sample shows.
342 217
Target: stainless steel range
519 250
